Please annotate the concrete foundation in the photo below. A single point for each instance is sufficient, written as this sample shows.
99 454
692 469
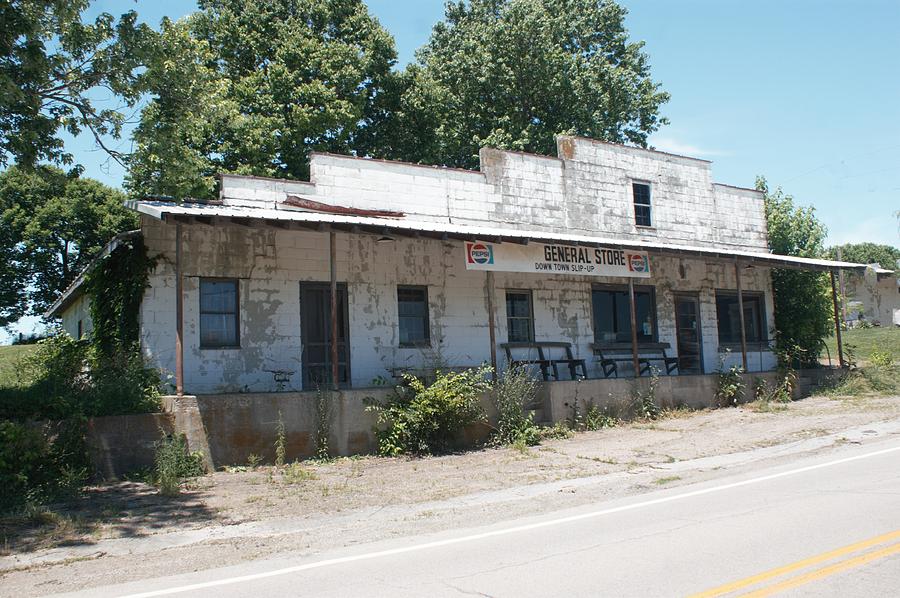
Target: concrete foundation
231 427
119 444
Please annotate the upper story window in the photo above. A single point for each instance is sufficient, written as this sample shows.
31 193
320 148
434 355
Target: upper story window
641 193
519 317
412 305
219 316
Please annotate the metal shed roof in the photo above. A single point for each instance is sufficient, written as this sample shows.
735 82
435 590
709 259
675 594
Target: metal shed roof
285 218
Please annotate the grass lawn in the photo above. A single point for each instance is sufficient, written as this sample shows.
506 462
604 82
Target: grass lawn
866 340
9 359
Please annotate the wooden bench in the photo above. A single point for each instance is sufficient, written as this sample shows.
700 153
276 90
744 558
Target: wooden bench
611 355
545 359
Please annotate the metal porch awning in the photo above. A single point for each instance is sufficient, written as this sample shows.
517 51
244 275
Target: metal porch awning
207 213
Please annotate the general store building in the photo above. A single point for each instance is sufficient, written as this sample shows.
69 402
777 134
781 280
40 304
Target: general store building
438 268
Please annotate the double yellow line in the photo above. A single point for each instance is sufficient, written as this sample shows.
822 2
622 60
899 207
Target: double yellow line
811 576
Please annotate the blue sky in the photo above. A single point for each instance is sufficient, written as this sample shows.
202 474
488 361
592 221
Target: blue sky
806 93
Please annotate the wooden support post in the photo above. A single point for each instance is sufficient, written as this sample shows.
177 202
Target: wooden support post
634 342
179 315
335 370
840 258
837 321
489 290
740 294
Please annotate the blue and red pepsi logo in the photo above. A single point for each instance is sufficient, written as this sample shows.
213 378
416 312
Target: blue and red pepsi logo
480 253
638 263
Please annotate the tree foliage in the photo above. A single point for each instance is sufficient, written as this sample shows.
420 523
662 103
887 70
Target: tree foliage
252 86
51 66
803 309
53 224
513 74
868 253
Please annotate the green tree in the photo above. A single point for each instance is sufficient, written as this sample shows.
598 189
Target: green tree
50 63
868 253
252 86
513 74
54 223
803 309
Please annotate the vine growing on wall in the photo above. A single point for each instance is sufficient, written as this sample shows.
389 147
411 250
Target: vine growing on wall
116 287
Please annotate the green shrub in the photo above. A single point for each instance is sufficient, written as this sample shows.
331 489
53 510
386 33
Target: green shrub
72 379
173 463
420 419
122 384
40 464
513 394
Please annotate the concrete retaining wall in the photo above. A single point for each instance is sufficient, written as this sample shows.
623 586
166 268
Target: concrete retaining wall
696 392
119 444
229 428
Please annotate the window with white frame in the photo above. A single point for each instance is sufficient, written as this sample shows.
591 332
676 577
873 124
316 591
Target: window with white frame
641 196
219 315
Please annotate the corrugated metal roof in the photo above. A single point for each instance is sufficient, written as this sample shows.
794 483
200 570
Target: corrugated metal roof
162 210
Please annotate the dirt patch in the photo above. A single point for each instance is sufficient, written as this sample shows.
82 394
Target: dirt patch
127 531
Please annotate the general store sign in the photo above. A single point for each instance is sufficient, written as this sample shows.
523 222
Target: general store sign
537 258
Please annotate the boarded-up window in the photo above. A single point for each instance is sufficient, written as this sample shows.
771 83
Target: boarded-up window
219 317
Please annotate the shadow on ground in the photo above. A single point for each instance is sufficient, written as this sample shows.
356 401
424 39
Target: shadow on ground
117 510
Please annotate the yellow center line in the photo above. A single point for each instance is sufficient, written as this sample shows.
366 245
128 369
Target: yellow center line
802 564
825 572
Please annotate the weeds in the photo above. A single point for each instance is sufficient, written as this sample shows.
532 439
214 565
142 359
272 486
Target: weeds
867 382
514 392
559 430
295 473
881 359
280 442
590 418
324 415
666 480
174 462
644 401
729 384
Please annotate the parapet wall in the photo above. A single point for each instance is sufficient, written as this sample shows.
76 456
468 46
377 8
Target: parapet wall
586 190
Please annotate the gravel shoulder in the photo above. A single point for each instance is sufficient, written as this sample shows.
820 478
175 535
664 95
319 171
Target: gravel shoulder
126 531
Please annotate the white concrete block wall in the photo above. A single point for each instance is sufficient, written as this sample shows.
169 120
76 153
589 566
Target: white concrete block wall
687 207
587 190
78 311
271 264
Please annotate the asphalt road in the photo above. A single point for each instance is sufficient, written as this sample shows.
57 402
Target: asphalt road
820 526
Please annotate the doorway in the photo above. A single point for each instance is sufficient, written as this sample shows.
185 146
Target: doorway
315 335
687 332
